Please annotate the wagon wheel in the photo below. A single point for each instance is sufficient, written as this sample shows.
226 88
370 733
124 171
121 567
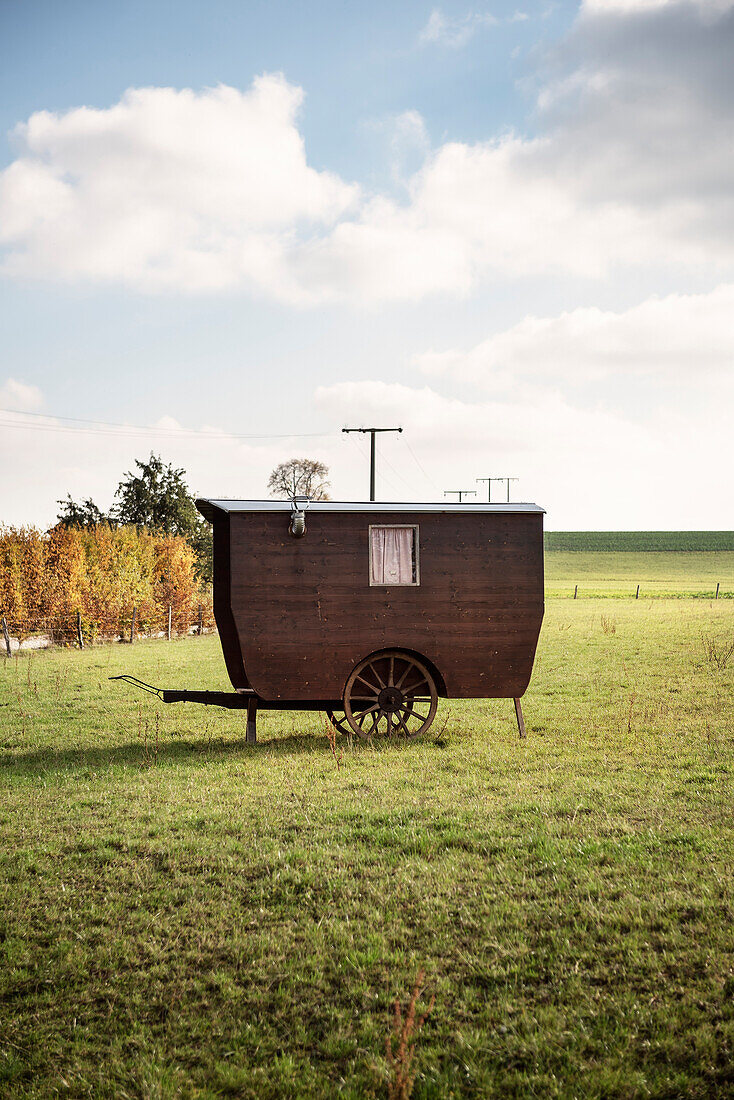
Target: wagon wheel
390 693
339 722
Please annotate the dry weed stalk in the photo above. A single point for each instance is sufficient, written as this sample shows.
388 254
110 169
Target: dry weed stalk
717 651
400 1044
437 739
150 753
330 731
608 625
633 698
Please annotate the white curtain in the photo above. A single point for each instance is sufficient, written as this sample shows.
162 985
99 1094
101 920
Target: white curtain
392 555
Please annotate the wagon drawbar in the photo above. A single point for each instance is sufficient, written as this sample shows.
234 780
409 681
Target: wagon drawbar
372 612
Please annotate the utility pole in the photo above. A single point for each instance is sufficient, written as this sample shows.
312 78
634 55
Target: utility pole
461 493
489 481
373 432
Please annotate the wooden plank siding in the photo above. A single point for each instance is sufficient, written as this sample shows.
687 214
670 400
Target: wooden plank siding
296 615
223 613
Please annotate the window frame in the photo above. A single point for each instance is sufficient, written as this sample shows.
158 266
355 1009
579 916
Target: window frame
415 528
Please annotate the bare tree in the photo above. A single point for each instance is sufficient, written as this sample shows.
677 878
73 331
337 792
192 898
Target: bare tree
304 477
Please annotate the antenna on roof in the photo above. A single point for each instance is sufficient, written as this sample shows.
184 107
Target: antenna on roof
372 432
489 481
461 493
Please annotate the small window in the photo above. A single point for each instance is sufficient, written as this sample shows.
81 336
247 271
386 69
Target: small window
394 555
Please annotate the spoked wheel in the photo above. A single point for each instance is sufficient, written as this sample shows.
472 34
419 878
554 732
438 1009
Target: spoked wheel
339 722
388 694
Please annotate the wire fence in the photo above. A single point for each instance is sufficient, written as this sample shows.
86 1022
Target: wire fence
73 629
658 589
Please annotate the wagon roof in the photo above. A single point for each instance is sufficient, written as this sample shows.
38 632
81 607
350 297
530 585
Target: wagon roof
208 507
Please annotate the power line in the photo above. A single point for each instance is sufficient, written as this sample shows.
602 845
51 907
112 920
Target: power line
106 427
425 473
397 473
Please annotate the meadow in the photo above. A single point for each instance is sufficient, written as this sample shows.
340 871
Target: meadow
639 541
615 573
184 915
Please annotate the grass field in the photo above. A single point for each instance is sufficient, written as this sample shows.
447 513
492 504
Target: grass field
615 574
637 541
183 915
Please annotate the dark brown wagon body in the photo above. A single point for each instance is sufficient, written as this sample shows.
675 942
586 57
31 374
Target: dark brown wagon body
295 615
308 620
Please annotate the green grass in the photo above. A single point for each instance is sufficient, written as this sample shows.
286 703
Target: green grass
639 541
183 915
668 573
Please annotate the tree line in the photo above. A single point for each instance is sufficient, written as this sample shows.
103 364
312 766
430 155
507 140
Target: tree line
100 573
155 499
151 550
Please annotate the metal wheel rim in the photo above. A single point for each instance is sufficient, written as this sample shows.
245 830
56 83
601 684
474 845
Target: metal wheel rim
371 704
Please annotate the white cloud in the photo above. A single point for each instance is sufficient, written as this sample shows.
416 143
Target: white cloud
676 340
167 189
588 467
20 396
640 7
50 459
472 210
454 32
607 414
405 138
633 167
408 139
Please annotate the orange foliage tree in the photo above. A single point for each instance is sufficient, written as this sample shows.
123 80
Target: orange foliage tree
102 573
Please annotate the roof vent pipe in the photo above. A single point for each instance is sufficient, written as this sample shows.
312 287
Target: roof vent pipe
297 526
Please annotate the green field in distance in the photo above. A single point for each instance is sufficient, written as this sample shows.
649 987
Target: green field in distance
670 573
639 541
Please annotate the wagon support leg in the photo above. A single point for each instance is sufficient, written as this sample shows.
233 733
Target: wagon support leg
251 734
518 715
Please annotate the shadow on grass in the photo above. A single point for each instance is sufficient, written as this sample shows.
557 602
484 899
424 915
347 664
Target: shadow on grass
172 752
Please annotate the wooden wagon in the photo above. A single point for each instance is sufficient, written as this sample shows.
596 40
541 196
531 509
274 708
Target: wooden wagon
372 612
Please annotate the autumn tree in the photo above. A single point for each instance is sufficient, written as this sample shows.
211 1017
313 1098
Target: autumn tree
303 477
154 498
101 573
158 499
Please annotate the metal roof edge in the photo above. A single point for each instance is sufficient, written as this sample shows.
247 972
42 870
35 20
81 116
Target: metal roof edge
208 505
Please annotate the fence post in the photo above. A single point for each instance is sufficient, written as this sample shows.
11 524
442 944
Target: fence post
715 597
169 622
6 635
79 632
132 627
637 593
575 591
201 621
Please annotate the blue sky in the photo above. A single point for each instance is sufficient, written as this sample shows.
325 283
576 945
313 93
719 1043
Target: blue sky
357 62
478 220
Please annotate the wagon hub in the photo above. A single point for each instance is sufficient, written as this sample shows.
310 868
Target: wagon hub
390 699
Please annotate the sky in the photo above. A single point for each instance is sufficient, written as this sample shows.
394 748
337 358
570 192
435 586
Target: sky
229 230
